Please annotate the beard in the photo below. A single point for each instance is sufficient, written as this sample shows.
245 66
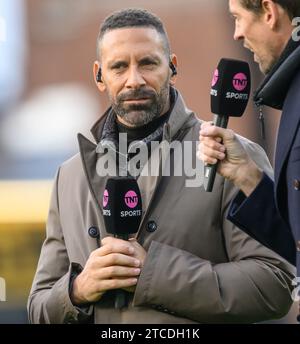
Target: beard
137 115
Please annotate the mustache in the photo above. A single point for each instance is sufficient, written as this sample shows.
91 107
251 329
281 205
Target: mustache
136 94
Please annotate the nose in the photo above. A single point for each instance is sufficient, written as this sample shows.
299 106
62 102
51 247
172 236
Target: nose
135 79
237 33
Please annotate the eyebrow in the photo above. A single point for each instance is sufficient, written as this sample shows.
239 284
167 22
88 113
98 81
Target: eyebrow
150 58
118 63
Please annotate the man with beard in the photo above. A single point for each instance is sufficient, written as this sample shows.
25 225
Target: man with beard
187 263
269 211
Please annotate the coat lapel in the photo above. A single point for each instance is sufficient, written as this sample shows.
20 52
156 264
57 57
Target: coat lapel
148 183
89 162
181 119
89 158
287 130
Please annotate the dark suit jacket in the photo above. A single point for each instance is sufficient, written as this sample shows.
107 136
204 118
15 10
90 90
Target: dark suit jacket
272 212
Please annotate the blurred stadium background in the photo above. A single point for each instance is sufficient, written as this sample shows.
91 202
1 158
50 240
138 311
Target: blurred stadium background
47 96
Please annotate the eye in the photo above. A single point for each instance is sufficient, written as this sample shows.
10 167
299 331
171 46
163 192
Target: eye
235 17
119 66
148 63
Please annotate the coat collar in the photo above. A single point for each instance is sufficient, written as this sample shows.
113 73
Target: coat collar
275 86
289 124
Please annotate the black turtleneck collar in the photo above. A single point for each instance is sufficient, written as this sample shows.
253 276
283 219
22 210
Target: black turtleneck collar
273 90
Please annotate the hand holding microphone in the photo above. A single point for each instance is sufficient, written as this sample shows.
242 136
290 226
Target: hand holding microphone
112 266
219 148
122 212
117 263
229 97
234 163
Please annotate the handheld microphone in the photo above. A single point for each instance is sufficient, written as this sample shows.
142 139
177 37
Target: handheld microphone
230 92
122 212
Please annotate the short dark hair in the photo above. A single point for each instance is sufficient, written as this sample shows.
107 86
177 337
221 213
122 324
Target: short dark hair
133 17
292 7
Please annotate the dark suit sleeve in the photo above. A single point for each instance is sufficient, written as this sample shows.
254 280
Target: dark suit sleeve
258 216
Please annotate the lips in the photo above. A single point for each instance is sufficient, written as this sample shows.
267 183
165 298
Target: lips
136 96
255 57
135 99
252 51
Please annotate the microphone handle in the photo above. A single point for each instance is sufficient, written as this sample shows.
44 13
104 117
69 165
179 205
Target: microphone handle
211 170
121 299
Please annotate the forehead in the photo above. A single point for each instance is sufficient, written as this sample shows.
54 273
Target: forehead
235 6
119 42
237 9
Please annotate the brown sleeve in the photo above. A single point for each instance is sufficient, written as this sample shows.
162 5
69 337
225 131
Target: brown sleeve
49 300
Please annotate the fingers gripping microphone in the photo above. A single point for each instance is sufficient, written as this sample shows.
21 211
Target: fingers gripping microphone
230 92
122 212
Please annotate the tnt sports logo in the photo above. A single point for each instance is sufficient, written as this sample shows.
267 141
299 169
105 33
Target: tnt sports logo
215 78
131 199
105 198
240 81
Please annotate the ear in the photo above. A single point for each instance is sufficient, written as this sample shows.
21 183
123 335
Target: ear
173 59
100 84
271 13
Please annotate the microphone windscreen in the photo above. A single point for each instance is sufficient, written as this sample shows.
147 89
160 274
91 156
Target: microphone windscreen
231 86
122 206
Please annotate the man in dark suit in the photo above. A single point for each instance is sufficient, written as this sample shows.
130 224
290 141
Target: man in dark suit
269 211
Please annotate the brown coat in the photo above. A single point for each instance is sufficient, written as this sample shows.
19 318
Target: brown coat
199 266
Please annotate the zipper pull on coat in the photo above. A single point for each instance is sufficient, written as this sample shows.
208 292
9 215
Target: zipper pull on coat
262 123
261 118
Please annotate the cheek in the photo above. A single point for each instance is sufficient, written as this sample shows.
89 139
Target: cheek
113 88
158 82
257 34
262 48
249 34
